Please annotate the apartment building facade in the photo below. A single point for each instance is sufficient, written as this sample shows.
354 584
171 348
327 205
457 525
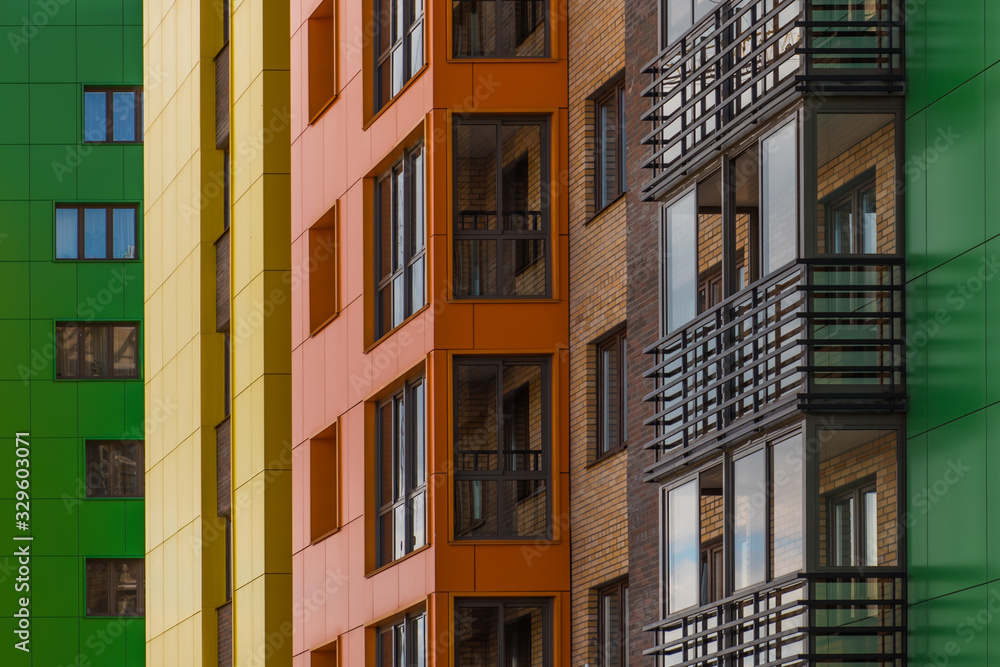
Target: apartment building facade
431 344
71 229
766 316
217 303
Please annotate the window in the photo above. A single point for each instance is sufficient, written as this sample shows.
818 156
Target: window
758 518
88 231
612 625
400 241
500 28
759 218
858 501
501 223
97 350
112 114
502 448
322 65
853 529
115 587
612 394
678 16
399 46
855 184
503 633
779 197
852 220
403 643
610 143
401 463
115 469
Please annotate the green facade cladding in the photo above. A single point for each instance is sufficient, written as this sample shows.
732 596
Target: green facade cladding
953 353
49 51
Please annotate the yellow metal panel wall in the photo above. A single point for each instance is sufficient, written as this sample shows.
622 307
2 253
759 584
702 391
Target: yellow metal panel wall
183 352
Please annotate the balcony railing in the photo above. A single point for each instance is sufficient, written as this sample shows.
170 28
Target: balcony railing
821 335
750 57
807 619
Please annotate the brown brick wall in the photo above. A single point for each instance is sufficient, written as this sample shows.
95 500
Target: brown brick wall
598 502
642 310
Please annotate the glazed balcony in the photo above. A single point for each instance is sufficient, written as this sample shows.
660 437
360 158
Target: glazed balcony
822 335
800 620
742 62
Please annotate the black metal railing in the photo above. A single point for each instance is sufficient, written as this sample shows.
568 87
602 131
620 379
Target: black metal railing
804 619
530 221
750 57
821 334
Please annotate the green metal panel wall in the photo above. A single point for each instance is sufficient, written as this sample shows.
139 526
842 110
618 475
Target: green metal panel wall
953 253
48 50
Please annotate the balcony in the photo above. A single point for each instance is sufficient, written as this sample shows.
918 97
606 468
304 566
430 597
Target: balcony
749 58
805 619
823 335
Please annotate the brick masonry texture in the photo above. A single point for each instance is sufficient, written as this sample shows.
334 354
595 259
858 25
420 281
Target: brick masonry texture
598 505
641 309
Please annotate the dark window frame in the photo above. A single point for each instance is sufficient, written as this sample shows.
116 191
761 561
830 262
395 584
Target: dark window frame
524 478
109 118
112 591
849 193
402 262
854 491
663 8
501 235
109 223
618 589
616 95
500 604
617 339
728 460
82 327
114 473
412 22
402 628
412 485
519 29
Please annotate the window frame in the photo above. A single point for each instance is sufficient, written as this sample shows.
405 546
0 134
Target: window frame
412 440
414 221
754 263
109 223
544 603
411 25
516 37
114 472
617 588
112 590
854 491
850 192
500 476
663 11
406 623
617 339
109 113
499 235
616 93
81 327
728 458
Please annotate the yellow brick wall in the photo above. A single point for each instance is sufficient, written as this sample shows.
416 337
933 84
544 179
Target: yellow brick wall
598 506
